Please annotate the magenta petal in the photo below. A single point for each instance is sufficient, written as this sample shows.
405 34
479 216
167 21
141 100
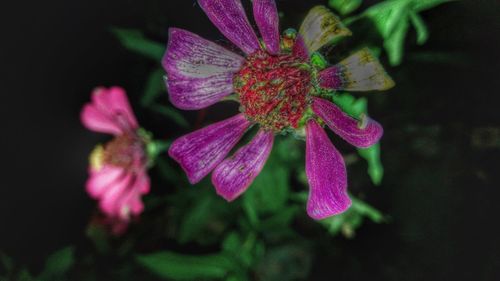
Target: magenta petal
229 17
131 202
362 133
112 197
199 72
114 103
102 179
201 151
332 78
97 121
326 174
300 48
266 16
233 176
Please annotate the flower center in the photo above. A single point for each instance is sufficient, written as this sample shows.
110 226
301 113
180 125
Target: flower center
124 151
273 90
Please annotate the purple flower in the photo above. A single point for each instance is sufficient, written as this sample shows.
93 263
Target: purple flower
279 89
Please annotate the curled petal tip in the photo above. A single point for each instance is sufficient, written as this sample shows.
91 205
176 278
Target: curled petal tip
360 133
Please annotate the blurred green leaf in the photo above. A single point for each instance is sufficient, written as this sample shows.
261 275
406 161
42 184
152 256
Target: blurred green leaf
58 264
392 17
356 108
367 210
25 275
135 41
375 167
277 227
350 105
167 171
156 148
237 278
171 113
154 87
232 243
387 15
7 262
269 191
287 262
345 7
391 20
348 222
98 235
249 205
422 5
394 44
241 249
175 266
195 219
420 27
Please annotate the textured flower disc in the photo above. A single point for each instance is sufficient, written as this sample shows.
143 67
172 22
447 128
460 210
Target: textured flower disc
273 89
124 150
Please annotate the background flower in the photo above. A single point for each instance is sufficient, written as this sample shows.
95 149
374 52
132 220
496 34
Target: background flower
117 170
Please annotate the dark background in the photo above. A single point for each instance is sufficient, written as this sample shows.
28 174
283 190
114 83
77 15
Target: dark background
440 150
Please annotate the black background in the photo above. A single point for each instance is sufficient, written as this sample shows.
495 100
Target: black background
441 191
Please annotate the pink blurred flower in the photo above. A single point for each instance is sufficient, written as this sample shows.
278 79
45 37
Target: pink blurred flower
118 170
279 89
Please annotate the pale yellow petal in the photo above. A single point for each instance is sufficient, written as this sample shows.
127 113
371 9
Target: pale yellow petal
361 71
96 158
321 27
365 73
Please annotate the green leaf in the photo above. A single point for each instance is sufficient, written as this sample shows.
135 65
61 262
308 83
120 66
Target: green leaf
241 250
367 210
269 191
171 113
348 222
287 262
375 167
155 148
167 171
196 218
154 87
394 45
350 105
420 27
232 243
279 221
387 15
25 275
135 41
58 264
345 7
398 16
318 61
7 262
422 5
186 267
250 211
356 108
391 19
